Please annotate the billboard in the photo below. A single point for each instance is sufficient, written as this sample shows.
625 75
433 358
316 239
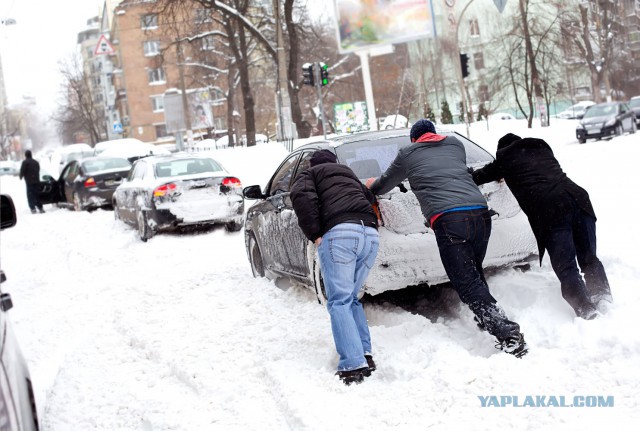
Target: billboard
350 117
199 103
366 23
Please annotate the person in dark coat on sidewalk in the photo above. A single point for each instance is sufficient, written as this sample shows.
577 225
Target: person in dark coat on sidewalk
458 213
560 214
30 171
335 211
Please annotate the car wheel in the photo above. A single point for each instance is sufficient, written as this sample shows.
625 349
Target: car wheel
77 203
233 226
144 231
318 282
255 257
582 141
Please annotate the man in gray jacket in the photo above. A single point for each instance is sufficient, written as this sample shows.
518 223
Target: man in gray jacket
457 212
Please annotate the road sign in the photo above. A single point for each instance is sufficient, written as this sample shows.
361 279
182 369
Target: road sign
117 127
104 47
500 4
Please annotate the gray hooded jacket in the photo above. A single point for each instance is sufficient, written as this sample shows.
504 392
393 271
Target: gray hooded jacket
437 173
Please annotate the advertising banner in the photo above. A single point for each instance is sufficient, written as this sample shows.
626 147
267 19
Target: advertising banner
351 117
366 23
199 103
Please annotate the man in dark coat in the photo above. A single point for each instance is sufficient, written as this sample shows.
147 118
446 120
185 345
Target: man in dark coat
457 212
30 171
334 210
560 214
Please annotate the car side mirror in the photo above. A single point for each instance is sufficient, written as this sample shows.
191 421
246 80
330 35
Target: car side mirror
253 192
8 216
47 178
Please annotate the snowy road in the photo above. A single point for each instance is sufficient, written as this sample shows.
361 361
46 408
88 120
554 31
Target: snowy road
175 334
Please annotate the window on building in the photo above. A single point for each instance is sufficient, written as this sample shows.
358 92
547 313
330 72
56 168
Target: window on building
149 21
151 48
156 76
158 103
474 27
478 60
483 93
161 130
208 43
202 16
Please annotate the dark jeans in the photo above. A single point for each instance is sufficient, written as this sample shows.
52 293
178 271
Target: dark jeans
33 198
574 238
462 238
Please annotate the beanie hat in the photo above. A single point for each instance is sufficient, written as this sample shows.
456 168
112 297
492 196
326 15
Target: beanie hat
323 156
507 140
420 128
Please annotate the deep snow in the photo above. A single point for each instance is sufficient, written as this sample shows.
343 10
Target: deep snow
175 333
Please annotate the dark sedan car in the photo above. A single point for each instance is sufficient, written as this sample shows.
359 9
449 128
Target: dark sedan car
89 183
634 104
17 401
166 192
408 253
604 120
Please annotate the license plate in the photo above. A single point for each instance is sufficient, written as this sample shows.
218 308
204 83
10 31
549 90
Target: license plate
111 182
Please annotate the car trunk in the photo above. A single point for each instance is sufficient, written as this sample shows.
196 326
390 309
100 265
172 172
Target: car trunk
106 180
195 200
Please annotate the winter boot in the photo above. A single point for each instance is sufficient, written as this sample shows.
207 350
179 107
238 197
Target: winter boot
353 376
370 363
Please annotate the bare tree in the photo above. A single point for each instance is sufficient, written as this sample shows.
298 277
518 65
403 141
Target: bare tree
78 112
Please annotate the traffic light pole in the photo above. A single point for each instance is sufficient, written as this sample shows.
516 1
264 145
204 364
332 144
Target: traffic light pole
318 85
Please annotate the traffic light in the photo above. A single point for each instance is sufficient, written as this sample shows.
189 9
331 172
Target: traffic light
464 65
307 74
324 74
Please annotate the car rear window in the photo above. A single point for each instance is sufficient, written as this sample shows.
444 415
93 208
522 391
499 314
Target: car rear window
94 166
180 167
372 157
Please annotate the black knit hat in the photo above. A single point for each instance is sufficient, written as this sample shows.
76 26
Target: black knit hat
323 156
507 140
420 128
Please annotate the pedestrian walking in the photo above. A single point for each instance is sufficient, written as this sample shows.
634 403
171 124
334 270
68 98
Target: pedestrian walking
561 217
458 213
30 171
334 210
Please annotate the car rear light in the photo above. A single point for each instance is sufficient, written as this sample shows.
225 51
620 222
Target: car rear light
90 182
164 189
232 182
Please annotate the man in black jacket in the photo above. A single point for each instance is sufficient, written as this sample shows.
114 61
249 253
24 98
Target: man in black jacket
458 214
30 171
560 214
335 211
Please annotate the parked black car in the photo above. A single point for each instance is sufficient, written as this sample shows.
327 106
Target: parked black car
604 120
17 401
634 104
408 253
89 183
166 192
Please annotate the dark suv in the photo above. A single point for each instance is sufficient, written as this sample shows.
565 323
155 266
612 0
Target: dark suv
17 402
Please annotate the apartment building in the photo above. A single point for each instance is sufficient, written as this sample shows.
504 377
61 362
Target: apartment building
149 71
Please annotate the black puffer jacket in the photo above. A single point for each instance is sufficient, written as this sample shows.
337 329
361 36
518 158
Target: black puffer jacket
328 194
538 183
30 171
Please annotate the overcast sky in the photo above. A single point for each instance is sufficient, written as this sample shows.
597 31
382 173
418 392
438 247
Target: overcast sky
45 32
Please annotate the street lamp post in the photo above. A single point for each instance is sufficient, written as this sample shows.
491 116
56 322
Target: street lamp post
461 83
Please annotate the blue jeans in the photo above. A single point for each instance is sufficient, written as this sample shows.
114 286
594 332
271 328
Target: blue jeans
574 237
347 253
462 238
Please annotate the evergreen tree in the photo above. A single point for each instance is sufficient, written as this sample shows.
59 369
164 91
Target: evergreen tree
482 112
461 111
446 116
428 113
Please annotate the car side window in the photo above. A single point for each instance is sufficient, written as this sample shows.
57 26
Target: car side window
305 163
140 169
282 179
